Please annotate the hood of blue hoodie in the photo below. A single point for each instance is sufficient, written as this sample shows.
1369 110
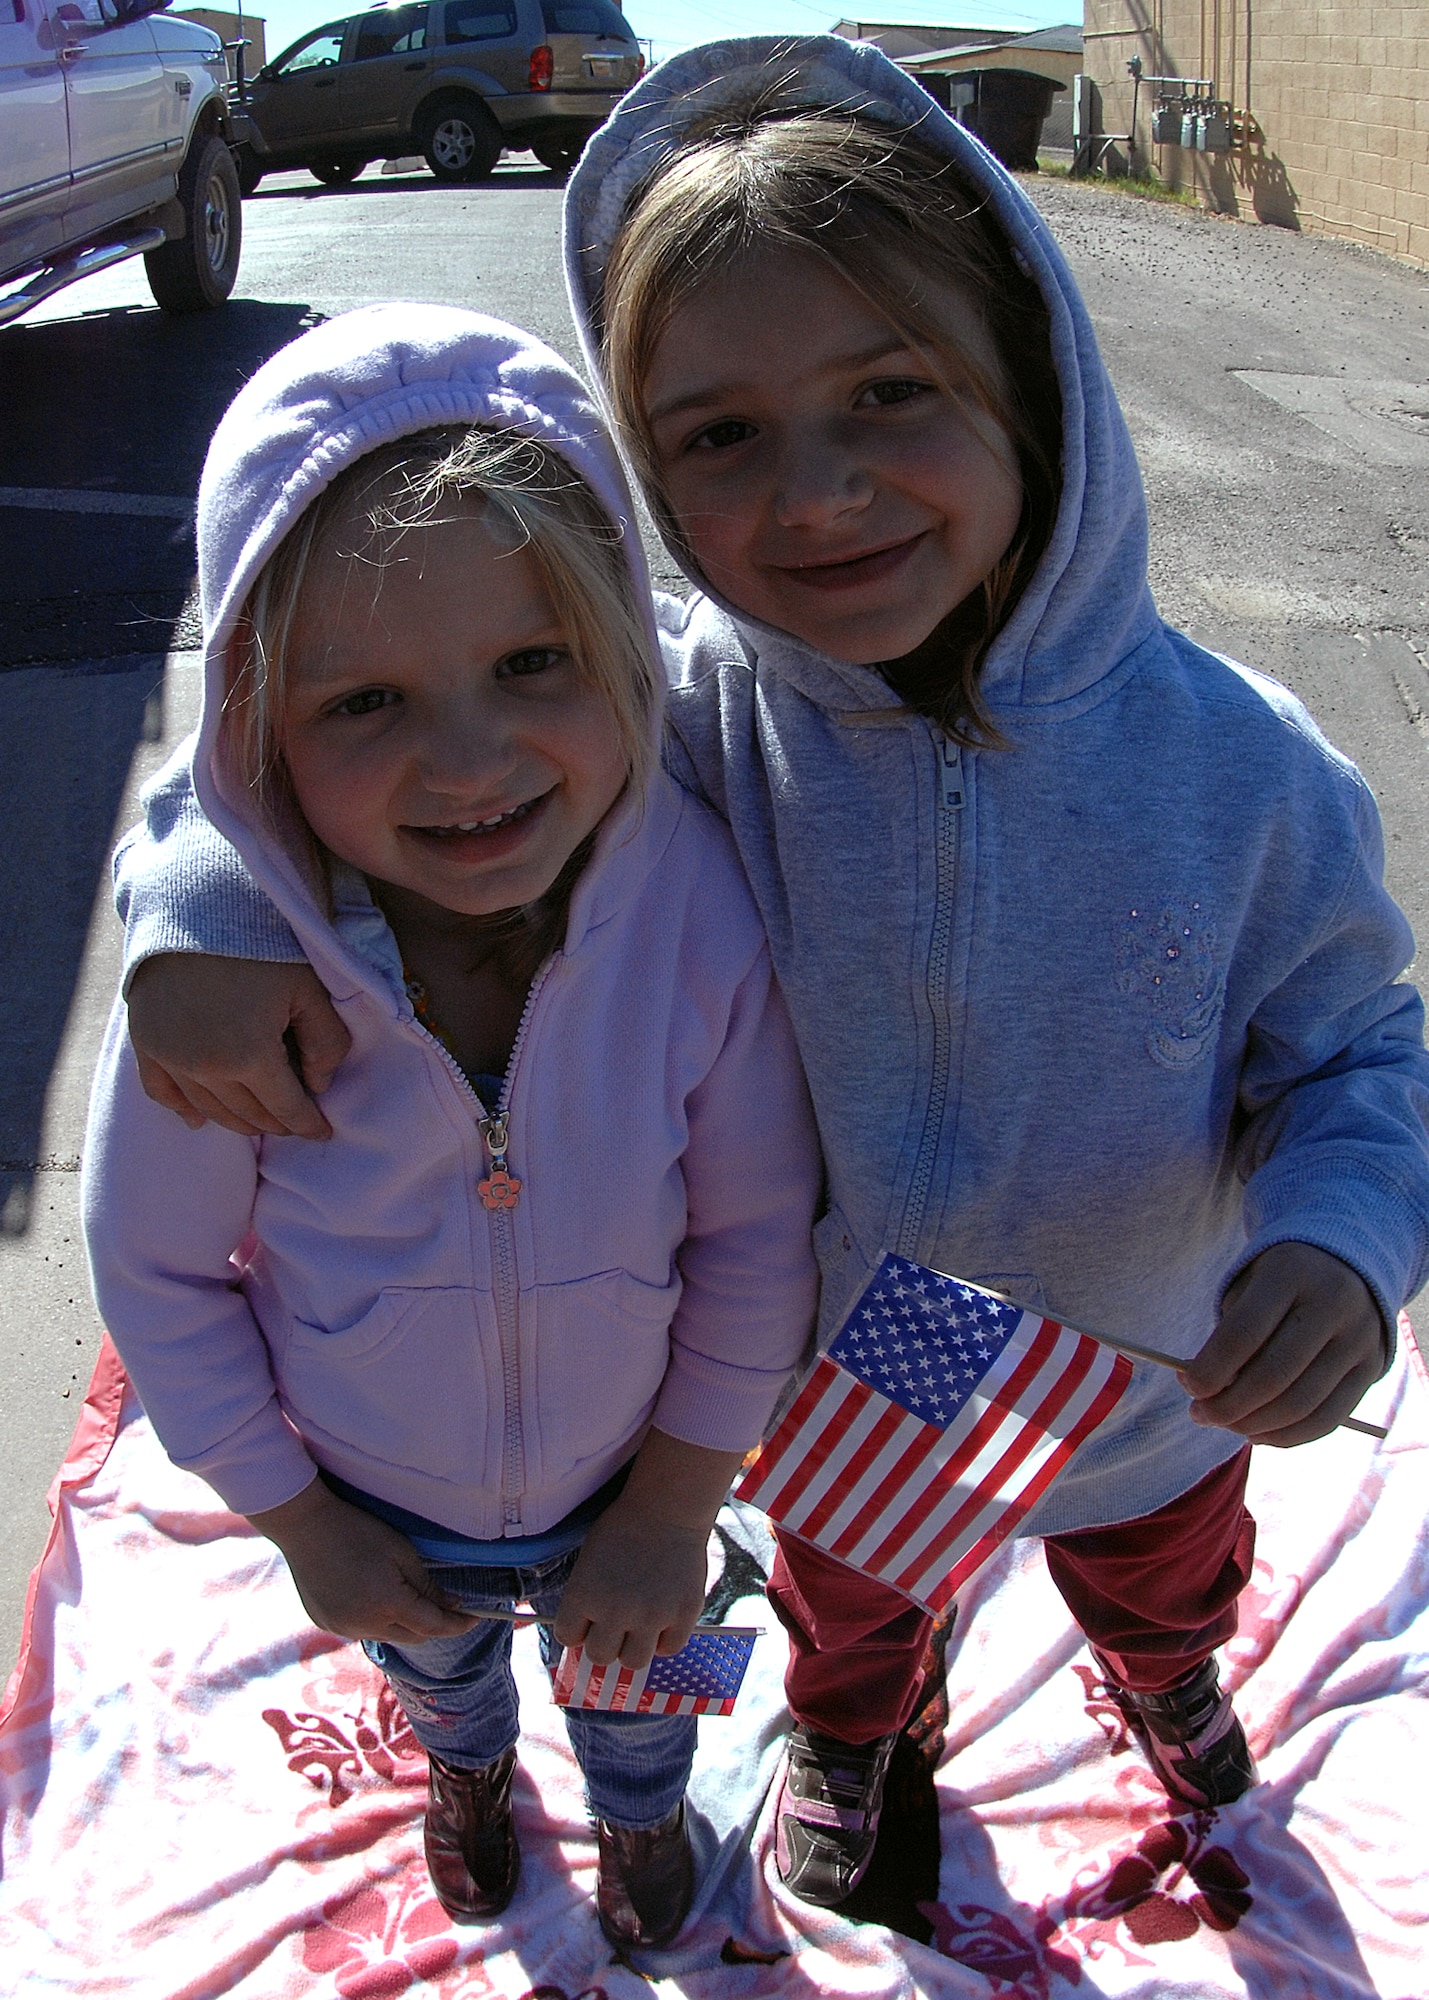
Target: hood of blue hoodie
1088 607
349 386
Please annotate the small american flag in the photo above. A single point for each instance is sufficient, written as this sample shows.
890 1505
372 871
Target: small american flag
703 1678
935 1420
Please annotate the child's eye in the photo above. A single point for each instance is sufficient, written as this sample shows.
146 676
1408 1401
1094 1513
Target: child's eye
533 660
366 701
881 394
728 431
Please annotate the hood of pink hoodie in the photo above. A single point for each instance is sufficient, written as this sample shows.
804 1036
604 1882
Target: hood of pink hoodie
344 389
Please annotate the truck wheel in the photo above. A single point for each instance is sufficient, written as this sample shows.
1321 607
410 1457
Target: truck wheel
460 141
557 156
197 270
250 169
336 173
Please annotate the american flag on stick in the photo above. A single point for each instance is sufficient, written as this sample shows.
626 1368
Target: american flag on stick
934 1421
703 1678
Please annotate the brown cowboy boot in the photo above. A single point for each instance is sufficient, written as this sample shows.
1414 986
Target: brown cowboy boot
646 1882
472 1856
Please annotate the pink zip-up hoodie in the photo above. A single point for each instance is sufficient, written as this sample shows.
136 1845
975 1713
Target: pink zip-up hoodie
281 1303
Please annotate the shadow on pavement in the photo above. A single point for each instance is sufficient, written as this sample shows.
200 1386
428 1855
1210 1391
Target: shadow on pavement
94 411
283 187
121 402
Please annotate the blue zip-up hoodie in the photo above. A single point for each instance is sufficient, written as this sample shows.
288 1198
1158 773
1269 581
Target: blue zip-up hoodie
1094 1019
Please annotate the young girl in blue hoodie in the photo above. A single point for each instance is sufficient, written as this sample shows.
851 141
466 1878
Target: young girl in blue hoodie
508 1335
1082 928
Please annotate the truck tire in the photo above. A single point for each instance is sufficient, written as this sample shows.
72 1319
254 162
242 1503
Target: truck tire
336 173
250 169
459 138
197 270
558 156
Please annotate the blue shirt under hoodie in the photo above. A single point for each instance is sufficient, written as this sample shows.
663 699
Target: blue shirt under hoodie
1093 1019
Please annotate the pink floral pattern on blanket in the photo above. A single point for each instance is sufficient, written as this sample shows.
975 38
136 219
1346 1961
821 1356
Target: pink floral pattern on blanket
1174 1880
335 1752
203 1796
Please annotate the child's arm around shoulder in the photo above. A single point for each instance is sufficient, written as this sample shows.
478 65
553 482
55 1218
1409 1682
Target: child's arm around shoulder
215 978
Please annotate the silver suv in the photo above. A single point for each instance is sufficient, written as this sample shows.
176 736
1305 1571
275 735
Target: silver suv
114 142
454 80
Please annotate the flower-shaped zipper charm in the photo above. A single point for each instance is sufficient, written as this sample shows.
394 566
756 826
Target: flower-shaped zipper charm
501 1188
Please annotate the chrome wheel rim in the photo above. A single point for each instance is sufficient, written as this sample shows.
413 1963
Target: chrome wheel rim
216 224
454 143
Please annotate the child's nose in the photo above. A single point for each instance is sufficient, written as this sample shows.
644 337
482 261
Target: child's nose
819 479
469 745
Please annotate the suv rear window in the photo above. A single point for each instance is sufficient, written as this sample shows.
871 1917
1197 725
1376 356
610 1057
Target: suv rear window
585 17
479 20
391 31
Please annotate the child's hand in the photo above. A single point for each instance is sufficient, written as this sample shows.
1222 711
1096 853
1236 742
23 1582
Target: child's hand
1300 1339
636 1590
208 1033
639 1585
357 1576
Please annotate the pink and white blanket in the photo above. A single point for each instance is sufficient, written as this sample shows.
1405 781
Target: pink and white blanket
202 1795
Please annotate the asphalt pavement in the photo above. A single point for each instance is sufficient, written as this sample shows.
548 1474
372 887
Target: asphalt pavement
1277 387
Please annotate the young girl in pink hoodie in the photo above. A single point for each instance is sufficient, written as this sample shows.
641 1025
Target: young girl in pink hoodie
508 1335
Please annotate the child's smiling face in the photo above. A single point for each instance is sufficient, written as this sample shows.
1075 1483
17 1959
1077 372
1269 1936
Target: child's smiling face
830 478
437 731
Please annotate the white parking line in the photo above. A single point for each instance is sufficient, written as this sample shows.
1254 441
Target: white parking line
80 500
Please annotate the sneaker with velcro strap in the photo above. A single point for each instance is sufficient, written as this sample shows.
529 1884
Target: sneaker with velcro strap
826 1820
1190 1735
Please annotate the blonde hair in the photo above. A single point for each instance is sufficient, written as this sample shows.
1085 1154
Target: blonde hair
898 222
403 488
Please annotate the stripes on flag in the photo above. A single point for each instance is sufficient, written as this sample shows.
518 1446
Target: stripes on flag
935 1421
703 1678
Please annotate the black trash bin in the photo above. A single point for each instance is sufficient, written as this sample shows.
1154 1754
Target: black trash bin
1007 110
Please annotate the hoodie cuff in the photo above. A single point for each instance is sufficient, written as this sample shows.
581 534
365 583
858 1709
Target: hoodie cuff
180 886
260 1465
1356 1214
714 1403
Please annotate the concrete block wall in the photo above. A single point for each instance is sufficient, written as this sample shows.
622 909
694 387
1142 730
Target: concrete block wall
1331 103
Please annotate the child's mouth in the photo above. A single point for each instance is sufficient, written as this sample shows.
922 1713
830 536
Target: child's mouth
478 835
849 571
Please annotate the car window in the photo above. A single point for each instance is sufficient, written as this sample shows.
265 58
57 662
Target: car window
585 17
319 51
391 31
479 20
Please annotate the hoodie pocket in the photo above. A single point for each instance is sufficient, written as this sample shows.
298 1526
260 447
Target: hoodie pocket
406 1384
601 1346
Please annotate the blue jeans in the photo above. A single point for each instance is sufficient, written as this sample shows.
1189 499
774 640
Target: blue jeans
460 1698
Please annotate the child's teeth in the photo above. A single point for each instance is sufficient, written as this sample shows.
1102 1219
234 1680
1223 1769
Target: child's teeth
485 825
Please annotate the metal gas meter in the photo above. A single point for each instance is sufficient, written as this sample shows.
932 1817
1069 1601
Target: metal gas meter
1188 113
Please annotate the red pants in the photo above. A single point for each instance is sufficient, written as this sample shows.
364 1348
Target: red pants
1155 1596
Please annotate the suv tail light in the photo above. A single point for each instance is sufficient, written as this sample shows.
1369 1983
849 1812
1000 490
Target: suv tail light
543 68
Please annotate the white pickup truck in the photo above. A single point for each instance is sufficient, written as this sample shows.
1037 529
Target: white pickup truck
114 142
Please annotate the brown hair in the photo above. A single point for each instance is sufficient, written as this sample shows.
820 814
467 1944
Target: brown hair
403 488
895 218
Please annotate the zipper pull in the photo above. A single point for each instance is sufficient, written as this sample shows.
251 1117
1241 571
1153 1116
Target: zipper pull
500 1189
952 774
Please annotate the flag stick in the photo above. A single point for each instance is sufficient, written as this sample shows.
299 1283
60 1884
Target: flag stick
1139 1353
